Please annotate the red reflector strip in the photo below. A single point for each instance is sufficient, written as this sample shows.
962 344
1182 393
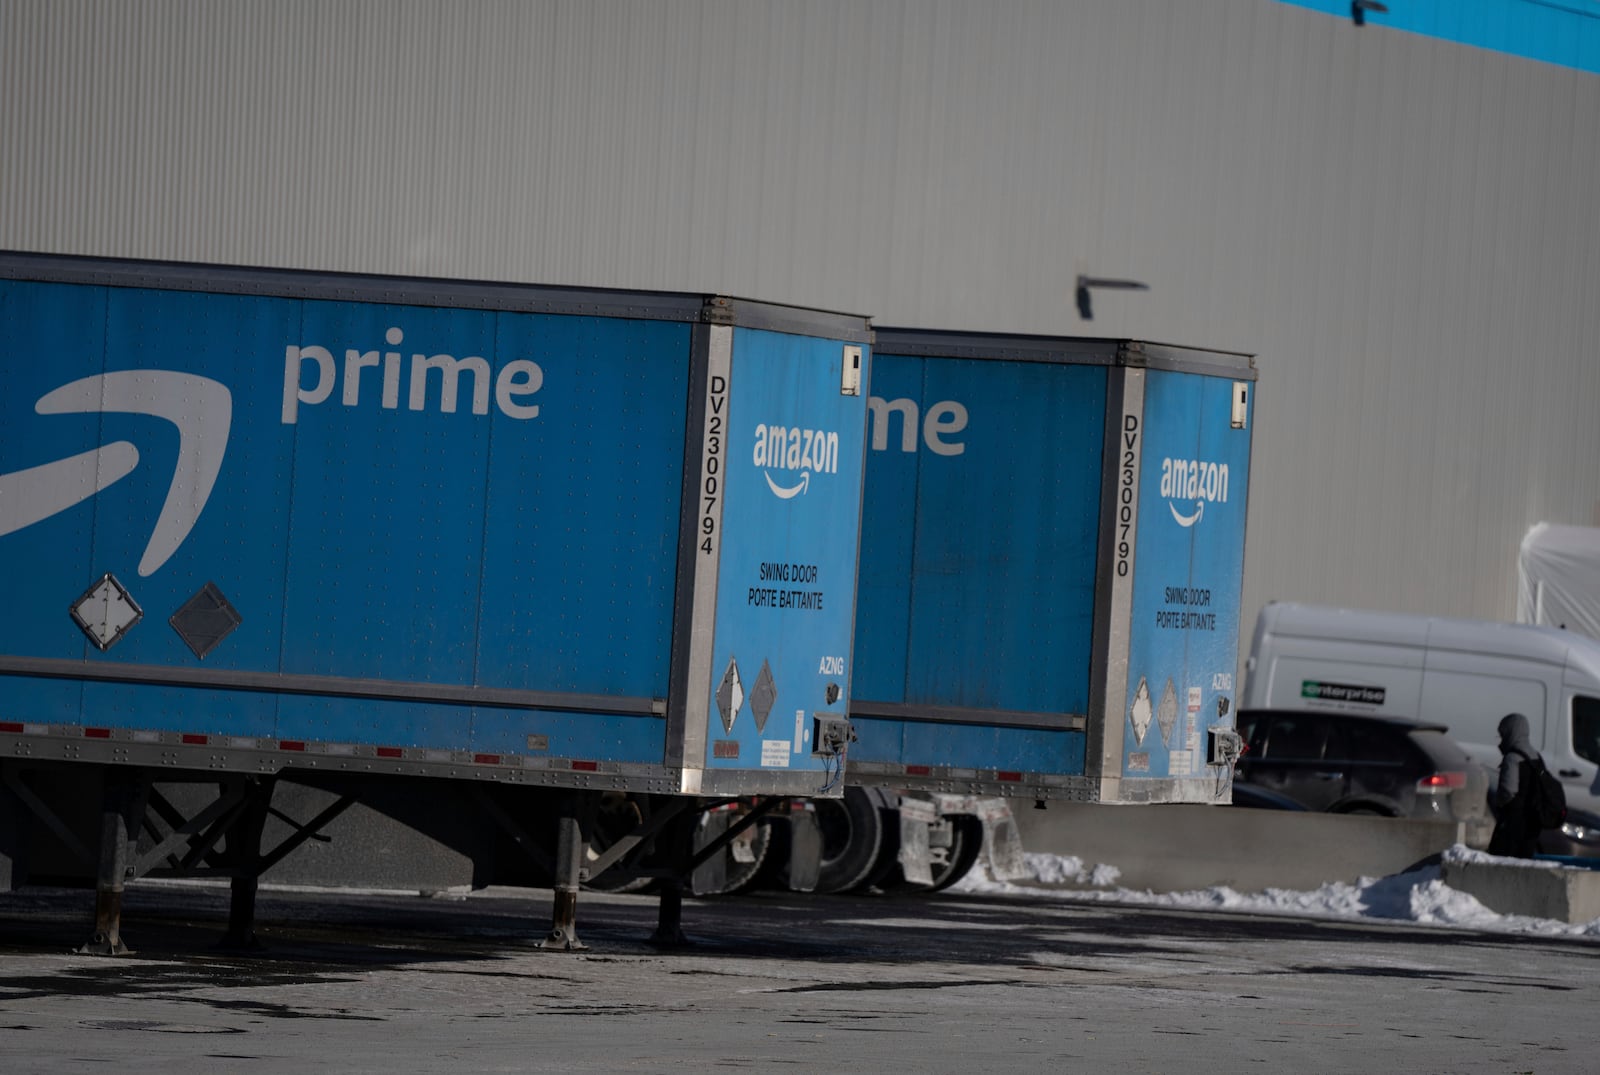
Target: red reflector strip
486 759
391 752
8 726
919 770
196 740
586 766
291 744
1008 776
1442 781
97 733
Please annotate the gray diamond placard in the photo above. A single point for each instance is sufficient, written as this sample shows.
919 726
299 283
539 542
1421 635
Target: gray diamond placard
1167 713
205 620
762 696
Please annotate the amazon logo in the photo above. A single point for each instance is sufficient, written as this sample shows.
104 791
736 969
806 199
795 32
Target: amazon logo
202 410
1193 483
794 454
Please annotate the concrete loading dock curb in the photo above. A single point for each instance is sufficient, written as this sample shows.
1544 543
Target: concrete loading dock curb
1538 889
1181 847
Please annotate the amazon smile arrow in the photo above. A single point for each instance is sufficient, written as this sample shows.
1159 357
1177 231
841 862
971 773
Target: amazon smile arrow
201 408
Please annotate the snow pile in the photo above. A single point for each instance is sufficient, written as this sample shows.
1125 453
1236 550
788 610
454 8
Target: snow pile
1461 853
1067 870
1418 896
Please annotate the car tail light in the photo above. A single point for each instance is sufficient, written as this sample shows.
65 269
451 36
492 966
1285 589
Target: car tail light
1441 783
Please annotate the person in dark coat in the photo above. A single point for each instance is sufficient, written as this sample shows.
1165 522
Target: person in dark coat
1516 830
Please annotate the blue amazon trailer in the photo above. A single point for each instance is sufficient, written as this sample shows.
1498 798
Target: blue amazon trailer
266 524
1052 555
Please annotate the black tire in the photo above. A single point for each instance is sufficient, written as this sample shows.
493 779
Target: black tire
617 815
852 836
743 860
966 844
886 870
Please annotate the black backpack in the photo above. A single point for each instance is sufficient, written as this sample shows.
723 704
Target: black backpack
1547 799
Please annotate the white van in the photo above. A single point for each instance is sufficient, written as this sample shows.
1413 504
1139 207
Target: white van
1465 674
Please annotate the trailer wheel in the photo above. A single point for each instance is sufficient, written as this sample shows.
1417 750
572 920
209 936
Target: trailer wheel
948 864
852 835
885 871
617 815
966 844
742 874
744 858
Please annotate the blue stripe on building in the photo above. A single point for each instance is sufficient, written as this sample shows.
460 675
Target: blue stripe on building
1562 32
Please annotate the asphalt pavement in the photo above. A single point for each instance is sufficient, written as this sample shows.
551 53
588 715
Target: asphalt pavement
950 983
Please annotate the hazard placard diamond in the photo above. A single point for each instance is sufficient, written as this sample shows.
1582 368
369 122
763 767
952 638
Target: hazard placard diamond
106 612
762 696
1140 712
1167 713
205 620
730 695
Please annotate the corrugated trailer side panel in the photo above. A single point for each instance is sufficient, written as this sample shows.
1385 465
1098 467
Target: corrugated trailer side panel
466 542
1023 579
1001 580
979 553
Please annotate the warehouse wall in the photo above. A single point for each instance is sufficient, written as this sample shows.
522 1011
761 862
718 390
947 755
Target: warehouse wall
1404 229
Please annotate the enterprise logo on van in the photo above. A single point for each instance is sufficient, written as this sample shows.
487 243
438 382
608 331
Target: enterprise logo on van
1342 692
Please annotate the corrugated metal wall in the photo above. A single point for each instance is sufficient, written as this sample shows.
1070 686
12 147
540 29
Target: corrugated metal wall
1405 230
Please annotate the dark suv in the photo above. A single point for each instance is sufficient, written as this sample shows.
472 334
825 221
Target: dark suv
1357 763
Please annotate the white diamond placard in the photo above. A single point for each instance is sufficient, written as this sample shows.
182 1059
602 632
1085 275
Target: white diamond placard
730 696
1140 712
106 612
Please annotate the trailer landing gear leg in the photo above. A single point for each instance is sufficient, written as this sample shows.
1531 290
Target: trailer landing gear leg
679 839
571 842
121 812
244 856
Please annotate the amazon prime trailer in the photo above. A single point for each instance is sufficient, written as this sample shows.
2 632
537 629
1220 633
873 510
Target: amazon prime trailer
1052 557
512 546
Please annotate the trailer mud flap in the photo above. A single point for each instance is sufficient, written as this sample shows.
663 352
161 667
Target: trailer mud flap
917 817
1002 843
